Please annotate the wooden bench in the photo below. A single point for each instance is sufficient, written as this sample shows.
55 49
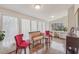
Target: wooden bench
36 39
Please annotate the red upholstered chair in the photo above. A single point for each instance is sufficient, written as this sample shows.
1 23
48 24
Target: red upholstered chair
48 37
20 43
48 34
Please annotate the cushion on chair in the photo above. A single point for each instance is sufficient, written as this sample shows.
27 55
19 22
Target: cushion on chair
24 44
38 37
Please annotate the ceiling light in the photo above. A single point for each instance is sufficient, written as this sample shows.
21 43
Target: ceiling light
52 16
37 6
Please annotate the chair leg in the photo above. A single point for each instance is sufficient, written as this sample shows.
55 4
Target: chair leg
16 50
51 38
33 43
66 51
25 50
30 48
40 41
49 41
77 51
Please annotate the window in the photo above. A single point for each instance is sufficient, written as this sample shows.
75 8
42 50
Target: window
40 26
10 28
43 25
33 25
25 28
47 26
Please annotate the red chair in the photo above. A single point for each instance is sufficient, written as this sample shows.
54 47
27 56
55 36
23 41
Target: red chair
48 37
20 43
47 33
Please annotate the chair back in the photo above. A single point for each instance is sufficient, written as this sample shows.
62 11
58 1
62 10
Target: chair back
47 33
18 39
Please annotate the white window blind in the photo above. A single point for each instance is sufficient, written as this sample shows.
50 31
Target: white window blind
43 25
33 25
47 26
11 29
25 28
40 26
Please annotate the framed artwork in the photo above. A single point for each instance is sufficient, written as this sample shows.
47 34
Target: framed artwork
58 26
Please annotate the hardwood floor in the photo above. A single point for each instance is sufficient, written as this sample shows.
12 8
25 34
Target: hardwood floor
57 46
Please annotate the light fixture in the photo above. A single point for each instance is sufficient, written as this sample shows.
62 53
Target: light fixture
37 6
52 16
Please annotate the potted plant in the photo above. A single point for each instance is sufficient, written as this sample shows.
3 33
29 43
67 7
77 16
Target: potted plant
65 28
2 35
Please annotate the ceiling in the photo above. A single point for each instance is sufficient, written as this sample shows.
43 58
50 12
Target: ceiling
45 13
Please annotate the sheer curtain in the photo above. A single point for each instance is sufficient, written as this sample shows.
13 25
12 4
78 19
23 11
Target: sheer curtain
25 28
33 25
10 27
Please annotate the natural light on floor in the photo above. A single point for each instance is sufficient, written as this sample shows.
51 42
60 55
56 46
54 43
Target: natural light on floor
58 46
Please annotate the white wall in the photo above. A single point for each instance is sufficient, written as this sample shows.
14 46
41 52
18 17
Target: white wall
71 17
76 6
76 11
